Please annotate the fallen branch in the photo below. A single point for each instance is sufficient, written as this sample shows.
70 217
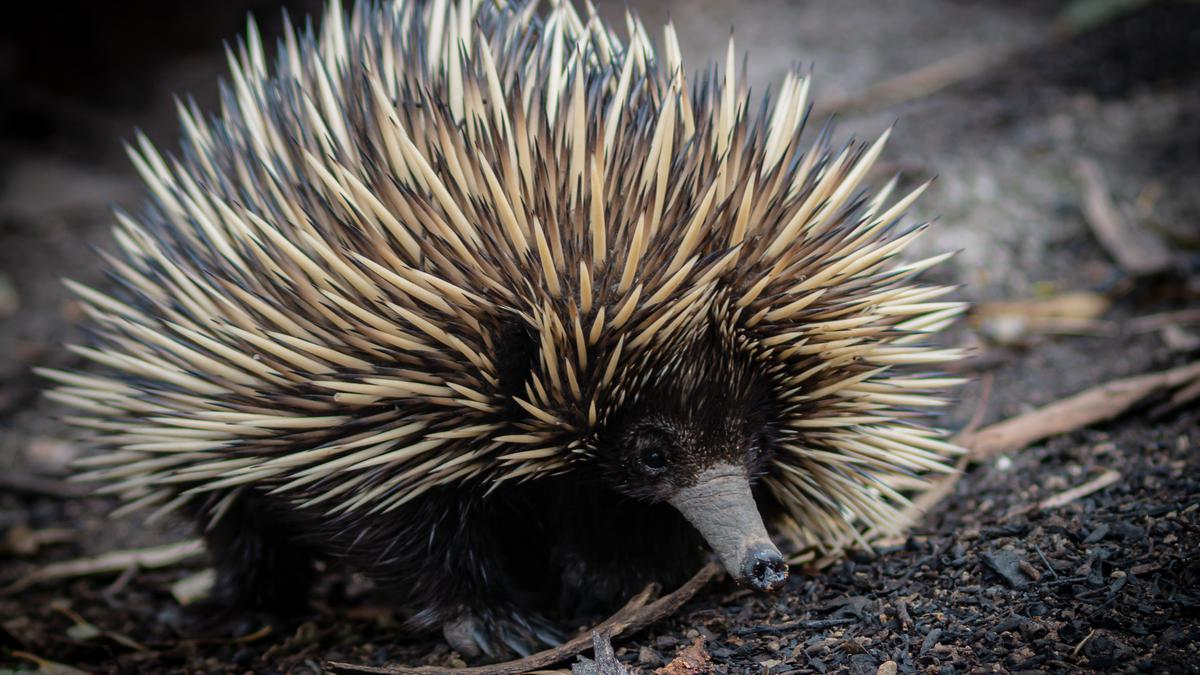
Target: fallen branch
635 615
109 563
1088 407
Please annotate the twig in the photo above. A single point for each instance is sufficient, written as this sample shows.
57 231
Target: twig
1094 485
1135 250
1153 322
1088 407
47 666
635 615
930 498
1093 405
108 563
1075 652
1049 567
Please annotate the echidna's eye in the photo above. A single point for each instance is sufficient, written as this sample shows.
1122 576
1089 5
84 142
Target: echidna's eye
649 450
654 460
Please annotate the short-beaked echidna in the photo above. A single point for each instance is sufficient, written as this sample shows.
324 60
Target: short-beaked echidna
505 313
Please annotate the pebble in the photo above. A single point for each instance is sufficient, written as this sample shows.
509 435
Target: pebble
1008 565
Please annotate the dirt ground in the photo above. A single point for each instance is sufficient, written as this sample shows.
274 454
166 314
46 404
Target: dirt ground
993 580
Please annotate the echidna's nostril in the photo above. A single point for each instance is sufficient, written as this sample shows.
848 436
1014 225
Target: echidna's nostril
764 569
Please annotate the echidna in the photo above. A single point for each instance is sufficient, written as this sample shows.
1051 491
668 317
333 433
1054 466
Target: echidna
507 314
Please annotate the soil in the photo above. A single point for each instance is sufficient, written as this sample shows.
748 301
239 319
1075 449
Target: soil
990 581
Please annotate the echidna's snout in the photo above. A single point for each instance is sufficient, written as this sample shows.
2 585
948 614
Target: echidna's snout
721 506
764 569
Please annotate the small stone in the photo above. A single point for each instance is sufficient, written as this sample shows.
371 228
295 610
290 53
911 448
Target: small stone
1097 534
887 668
930 640
1008 565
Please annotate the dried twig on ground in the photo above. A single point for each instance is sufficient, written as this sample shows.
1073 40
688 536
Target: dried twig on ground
1098 483
1136 250
1088 407
1108 477
635 615
108 563
1093 405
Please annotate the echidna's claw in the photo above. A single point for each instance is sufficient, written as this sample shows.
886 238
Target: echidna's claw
490 635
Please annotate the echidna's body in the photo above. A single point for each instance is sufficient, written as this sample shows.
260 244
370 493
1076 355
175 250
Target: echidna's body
481 303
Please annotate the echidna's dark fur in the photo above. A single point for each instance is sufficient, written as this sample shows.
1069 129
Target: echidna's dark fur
462 297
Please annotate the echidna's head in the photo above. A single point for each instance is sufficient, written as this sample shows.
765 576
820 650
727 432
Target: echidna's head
696 434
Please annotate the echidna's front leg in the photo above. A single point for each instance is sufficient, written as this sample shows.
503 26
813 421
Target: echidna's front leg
490 633
464 573
262 574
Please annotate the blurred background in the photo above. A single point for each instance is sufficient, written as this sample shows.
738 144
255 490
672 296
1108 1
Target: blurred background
1064 137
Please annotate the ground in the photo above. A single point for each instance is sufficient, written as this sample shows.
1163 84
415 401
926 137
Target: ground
992 579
